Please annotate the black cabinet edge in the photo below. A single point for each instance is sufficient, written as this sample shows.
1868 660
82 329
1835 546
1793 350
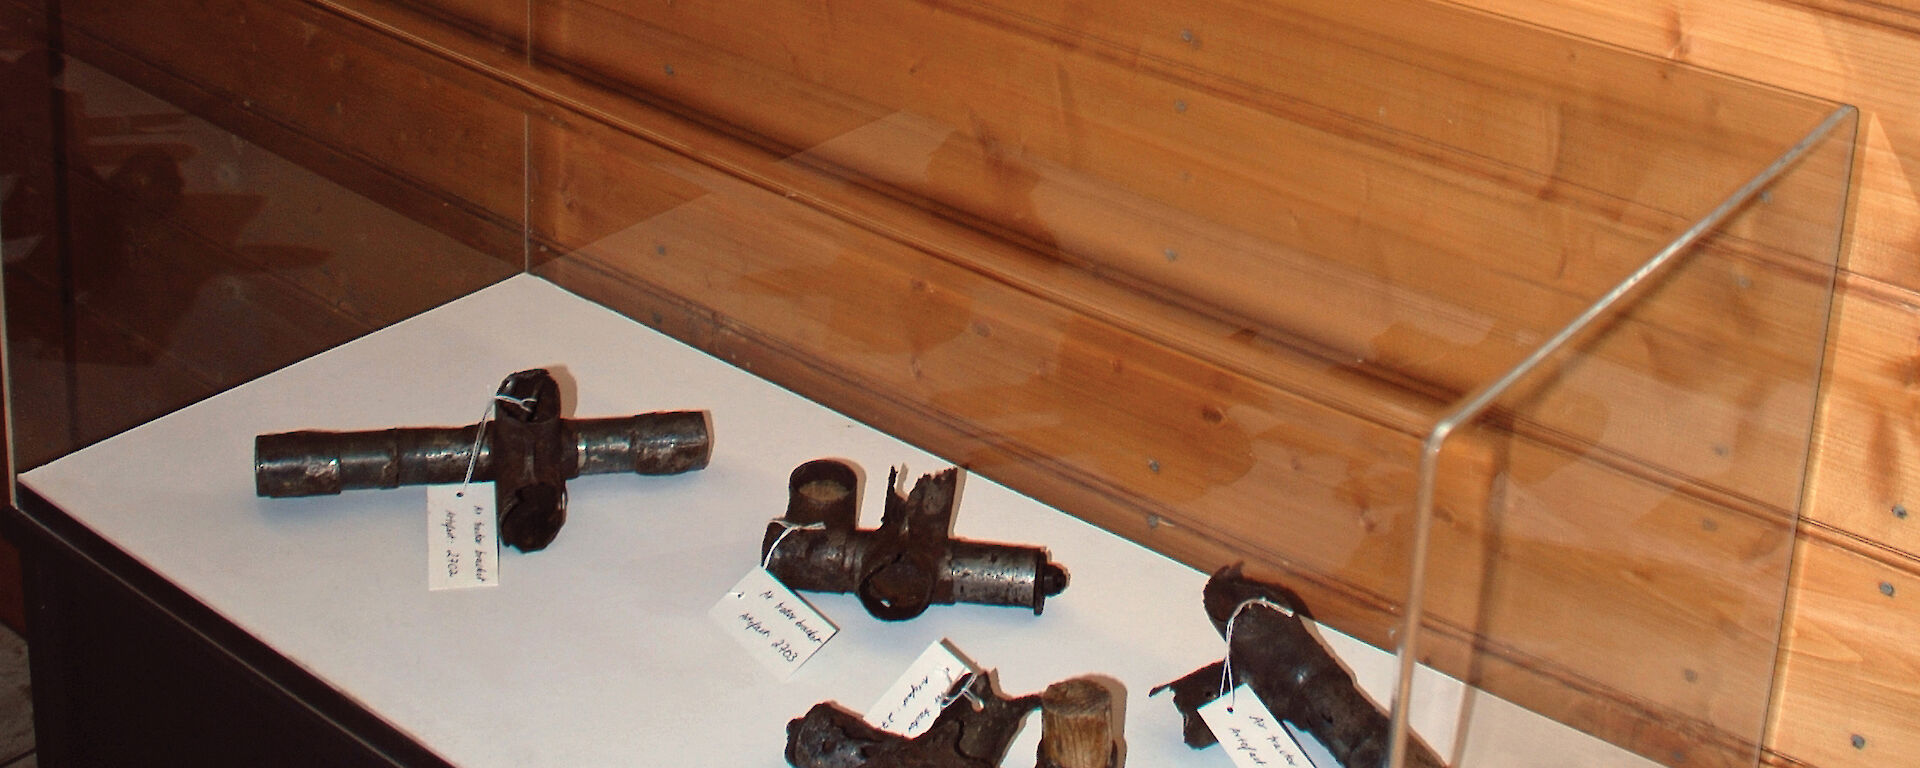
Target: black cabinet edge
40 529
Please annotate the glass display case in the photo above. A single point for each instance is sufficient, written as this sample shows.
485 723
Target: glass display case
1500 347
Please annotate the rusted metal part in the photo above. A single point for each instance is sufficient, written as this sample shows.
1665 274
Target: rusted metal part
526 450
1277 658
1076 726
963 736
910 561
530 455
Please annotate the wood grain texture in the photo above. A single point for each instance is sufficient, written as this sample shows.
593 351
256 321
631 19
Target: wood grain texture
1138 157
415 126
1864 59
1239 205
1851 667
1870 424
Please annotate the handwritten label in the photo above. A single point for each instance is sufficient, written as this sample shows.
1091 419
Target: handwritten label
463 550
776 626
917 698
1252 736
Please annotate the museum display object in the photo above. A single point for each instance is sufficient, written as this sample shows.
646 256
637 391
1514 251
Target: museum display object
910 561
974 730
1271 651
527 450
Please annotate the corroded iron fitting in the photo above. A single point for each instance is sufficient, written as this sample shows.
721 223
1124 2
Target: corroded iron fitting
910 561
1284 665
526 450
974 733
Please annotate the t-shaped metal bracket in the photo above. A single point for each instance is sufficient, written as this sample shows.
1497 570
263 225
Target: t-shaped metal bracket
910 561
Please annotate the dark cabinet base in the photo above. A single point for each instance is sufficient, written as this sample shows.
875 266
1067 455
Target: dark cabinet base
130 671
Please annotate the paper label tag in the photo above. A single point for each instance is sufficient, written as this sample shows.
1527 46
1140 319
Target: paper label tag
1252 736
776 626
918 697
463 550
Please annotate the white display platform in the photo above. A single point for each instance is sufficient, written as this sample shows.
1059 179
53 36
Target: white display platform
598 651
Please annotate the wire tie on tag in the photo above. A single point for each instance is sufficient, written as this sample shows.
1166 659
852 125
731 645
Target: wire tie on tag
1226 665
766 563
480 433
962 688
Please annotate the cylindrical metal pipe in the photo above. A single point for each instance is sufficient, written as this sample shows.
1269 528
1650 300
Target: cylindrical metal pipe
982 573
315 463
666 443
1000 574
825 492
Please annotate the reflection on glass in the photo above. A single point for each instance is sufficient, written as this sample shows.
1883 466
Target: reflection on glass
1207 276
157 253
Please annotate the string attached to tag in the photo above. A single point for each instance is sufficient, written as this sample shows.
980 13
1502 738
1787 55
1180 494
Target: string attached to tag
962 688
767 562
1227 688
480 433
463 535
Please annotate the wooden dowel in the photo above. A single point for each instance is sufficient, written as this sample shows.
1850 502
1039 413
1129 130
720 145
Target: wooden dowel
1076 722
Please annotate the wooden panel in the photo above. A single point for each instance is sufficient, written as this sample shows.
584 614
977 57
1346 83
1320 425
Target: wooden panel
1252 198
504 21
1867 62
1870 430
1852 670
413 119
350 242
1240 207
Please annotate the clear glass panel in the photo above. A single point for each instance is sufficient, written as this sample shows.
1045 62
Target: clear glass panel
1206 274
202 193
1643 484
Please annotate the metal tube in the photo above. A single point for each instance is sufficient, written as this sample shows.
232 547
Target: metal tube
318 463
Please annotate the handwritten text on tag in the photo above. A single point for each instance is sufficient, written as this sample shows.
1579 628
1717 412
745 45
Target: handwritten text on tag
1252 736
917 698
776 626
462 548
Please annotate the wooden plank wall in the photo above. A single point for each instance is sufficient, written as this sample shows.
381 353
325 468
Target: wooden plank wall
602 159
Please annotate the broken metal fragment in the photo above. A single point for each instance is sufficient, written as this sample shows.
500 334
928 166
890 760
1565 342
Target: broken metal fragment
968 734
1076 731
